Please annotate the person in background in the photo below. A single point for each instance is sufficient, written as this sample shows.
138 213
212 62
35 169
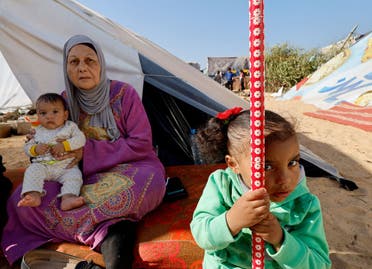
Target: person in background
284 213
218 77
123 179
242 79
229 79
53 137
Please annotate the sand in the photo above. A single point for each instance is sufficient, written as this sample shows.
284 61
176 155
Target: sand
347 214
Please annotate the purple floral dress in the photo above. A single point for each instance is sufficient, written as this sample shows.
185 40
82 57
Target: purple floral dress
123 179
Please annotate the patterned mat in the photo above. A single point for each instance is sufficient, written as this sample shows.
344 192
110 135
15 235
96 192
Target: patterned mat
347 114
164 239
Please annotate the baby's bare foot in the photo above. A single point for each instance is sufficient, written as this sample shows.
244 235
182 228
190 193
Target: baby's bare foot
32 199
70 201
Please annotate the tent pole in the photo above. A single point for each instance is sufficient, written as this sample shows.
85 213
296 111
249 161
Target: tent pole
257 113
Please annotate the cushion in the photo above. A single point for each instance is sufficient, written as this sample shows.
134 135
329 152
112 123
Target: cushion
164 239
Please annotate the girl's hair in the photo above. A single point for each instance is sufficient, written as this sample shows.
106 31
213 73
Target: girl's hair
220 137
51 98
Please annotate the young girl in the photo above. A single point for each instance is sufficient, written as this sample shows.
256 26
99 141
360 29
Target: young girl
284 213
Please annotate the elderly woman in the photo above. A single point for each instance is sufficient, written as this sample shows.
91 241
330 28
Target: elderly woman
123 178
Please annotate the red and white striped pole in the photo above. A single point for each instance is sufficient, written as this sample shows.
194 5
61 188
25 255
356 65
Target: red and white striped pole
257 109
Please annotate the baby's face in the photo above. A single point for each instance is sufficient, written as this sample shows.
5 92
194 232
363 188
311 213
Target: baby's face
51 115
282 168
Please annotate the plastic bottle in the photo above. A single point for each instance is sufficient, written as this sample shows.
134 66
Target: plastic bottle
194 148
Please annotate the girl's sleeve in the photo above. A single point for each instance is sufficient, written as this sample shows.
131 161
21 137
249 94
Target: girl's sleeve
306 246
134 143
208 226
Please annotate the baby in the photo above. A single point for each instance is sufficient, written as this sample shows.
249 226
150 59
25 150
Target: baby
53 138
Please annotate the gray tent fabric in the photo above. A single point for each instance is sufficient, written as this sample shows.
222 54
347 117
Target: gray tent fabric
174 86
315 166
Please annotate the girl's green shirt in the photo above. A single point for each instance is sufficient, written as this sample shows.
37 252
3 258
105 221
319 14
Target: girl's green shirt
304 246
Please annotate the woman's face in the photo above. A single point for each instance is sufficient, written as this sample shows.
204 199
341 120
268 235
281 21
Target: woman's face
83 68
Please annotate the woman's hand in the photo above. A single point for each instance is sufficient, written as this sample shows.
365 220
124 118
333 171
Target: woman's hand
270 231
248 210
57 149
77 155
42 149
30 135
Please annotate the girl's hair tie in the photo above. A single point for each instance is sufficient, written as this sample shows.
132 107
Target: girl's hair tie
229 114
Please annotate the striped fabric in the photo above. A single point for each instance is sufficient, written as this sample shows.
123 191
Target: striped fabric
348 114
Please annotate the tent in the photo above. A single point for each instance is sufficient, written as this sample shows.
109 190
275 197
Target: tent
341 88
223 63
12 94
38 36
346 77
177 97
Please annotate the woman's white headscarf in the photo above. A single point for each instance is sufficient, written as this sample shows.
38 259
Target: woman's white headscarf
95 102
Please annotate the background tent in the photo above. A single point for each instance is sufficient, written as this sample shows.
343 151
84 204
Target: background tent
12 94
177 97
346 77
223 63
341 88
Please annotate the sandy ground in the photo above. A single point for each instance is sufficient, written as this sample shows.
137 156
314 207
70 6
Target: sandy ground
347 214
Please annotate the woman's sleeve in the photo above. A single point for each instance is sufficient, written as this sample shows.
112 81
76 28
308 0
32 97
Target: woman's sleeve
306 246
134 143
208 226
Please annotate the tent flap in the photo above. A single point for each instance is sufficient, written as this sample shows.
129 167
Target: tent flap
164 80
